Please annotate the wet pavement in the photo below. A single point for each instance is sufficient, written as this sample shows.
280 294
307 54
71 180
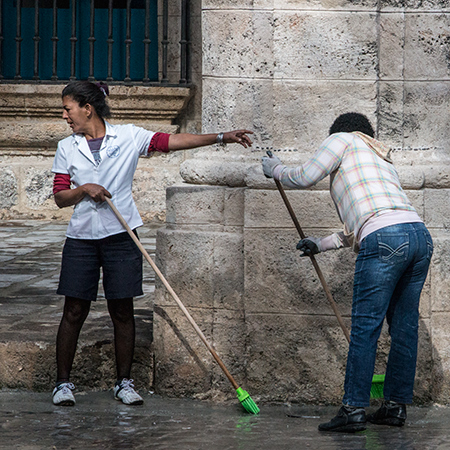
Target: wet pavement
30 258
30 253
29 421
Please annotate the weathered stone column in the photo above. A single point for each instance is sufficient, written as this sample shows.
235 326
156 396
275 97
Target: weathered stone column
285 70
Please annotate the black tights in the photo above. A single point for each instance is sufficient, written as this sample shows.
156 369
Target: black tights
75 312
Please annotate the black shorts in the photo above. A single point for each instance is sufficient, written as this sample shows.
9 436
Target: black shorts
120 259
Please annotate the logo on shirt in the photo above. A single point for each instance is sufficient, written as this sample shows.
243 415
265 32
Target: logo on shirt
113 152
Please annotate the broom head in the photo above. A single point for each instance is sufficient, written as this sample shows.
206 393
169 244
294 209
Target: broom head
377 388
246 401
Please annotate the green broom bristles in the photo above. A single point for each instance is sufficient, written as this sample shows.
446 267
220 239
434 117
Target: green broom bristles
377 388
246 401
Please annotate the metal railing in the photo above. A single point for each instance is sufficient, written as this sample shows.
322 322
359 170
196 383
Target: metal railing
130 64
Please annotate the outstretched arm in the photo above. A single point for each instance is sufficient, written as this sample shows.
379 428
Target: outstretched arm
184 141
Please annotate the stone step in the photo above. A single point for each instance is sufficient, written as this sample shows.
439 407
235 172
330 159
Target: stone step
30 257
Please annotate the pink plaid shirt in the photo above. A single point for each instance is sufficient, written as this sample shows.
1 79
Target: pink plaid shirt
362 184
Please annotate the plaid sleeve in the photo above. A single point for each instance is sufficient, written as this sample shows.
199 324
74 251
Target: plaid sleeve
325 161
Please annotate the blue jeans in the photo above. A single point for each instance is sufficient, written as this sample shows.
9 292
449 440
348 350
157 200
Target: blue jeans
390 271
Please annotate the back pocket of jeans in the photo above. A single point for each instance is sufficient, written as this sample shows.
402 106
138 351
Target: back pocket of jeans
393 248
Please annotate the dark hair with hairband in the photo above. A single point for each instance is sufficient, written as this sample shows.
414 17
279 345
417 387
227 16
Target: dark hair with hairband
85 92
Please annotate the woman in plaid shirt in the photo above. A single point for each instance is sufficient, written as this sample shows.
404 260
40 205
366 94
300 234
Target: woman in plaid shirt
394 251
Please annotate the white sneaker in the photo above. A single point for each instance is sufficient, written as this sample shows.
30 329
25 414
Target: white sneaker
62 395
126 394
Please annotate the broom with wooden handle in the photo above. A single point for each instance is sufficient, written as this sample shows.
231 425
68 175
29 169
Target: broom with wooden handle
378 380
243 396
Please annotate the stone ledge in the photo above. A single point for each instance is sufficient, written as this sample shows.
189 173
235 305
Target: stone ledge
32 366
30 114
220 172
44 100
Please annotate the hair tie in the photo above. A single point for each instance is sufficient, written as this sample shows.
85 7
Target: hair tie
103 87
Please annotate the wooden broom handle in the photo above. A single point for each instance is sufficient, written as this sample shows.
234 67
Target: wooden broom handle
172 292
313 260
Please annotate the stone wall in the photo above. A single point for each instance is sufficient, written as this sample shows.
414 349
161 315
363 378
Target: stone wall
286 69
31 125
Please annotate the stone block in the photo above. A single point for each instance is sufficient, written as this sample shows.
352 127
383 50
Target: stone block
195 204
427 41
425 115
441 357
278 280
322 5
391 114
205 205
26 365
266 209
423 385
284 366
228 4
183 364
296 358
8 188
186 259
38 187
32 133
305 110
229 341
234 200
219 172
414 5
325 45
439 270
437 208
244 36
211 276
327 5
391 47
417 198
32 366
228 271
437 173
228 105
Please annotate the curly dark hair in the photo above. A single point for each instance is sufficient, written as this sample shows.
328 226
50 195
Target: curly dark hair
85 92
352 121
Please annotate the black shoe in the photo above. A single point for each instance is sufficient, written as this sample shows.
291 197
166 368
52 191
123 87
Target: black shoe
390 413
348 420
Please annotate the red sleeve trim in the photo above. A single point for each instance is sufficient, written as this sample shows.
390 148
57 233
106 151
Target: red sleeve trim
159 143
61 182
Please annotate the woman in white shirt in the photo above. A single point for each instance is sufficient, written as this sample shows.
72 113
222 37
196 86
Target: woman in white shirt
97 161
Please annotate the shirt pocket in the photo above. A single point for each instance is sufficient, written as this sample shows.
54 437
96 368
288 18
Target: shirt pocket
393 248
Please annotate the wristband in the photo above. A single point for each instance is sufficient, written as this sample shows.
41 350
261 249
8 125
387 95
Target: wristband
219 140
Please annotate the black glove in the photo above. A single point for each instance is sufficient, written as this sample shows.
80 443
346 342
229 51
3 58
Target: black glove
309 246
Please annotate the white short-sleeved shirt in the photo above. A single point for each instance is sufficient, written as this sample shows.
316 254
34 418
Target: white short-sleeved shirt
120 151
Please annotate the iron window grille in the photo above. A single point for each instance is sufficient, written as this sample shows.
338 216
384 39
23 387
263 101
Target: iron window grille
113 40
